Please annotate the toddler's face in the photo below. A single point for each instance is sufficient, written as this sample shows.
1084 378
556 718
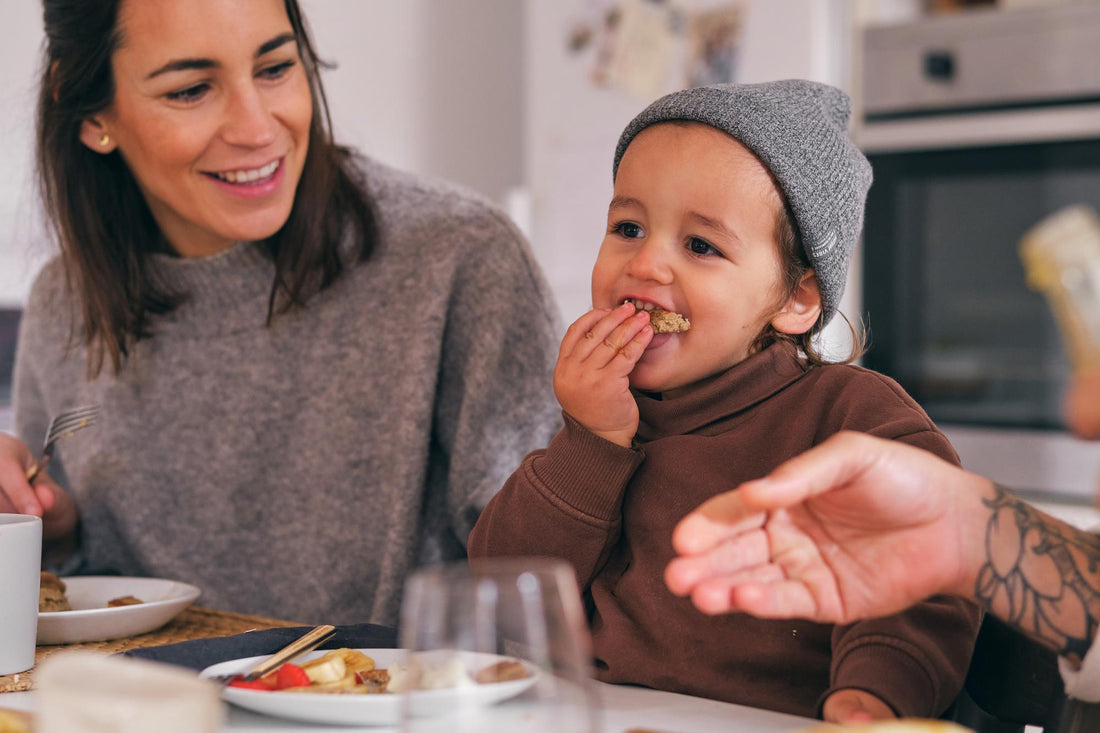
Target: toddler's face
692 229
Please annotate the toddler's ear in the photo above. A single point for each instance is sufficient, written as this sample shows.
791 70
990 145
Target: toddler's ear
801 310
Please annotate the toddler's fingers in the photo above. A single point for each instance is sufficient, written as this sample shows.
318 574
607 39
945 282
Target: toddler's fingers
632 351
624 345
579 331
592 328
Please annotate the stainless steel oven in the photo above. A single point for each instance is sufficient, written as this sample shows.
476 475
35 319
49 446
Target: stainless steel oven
977 126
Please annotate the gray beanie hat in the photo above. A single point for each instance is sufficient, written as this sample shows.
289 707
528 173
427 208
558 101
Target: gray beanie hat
799 130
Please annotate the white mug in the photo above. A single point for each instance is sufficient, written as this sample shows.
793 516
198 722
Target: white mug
20 563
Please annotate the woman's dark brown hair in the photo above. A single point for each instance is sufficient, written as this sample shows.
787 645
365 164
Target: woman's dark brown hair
101 220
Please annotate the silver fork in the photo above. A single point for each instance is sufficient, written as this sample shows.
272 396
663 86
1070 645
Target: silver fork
62 426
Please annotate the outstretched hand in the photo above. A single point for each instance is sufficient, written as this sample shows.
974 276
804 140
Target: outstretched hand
857 527
592 376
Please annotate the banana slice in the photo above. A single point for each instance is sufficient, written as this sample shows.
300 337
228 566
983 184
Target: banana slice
354 660
326 669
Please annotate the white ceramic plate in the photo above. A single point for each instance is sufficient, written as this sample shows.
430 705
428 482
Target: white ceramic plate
381 709
92 620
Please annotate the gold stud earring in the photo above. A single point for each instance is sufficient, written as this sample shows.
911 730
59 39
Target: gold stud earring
104 140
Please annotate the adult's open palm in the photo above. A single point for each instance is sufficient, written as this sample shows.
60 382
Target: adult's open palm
857 527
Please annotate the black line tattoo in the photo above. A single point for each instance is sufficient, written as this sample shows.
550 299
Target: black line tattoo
1041 575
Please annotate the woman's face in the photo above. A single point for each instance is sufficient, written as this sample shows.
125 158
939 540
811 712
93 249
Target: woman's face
211 113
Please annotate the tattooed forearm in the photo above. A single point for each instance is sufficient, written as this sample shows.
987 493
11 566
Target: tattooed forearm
1041 575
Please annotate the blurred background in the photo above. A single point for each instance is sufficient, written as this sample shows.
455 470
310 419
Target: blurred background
980 118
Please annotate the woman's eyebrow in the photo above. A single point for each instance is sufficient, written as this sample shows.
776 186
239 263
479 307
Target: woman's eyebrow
202 63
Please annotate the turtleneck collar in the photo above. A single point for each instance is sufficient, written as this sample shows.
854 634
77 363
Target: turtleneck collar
225 292
740 387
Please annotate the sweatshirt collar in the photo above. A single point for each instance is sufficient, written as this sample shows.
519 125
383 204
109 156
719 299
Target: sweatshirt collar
737 389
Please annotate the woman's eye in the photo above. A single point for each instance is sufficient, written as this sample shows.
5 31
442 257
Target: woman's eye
629 229
190 94
276 71
701 247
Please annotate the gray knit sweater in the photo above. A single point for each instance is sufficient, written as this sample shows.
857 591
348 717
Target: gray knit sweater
301 470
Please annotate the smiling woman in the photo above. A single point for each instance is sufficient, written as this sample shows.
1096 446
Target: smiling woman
224 273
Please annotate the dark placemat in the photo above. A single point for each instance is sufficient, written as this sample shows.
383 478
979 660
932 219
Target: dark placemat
201 653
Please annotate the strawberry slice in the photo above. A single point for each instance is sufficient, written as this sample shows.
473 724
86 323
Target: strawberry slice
291 675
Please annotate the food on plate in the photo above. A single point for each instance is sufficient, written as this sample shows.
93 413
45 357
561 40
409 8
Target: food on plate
664 321
51 594
505 671
349 671
904 725
12 721
52 598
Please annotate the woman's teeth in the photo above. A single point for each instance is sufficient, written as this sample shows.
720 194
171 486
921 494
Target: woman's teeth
250 175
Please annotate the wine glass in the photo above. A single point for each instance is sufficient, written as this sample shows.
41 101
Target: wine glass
495 645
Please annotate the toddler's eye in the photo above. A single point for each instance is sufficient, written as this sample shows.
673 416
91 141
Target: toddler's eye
629 229
701 247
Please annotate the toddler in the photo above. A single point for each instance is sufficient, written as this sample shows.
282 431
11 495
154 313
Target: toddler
736 207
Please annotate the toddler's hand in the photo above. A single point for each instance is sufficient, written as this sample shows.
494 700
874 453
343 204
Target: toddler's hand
849 706
592 377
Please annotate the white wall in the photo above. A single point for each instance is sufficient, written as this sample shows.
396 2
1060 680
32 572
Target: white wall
21 238
432 86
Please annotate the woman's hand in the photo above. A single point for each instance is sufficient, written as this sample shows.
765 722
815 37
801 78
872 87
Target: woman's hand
43 499
592 377
857 527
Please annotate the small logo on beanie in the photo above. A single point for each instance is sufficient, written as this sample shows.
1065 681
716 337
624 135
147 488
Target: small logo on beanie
824 245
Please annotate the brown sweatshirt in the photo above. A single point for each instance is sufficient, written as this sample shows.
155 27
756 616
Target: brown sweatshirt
610 511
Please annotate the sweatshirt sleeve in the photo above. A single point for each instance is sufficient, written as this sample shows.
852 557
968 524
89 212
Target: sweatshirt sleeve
915 661
564 501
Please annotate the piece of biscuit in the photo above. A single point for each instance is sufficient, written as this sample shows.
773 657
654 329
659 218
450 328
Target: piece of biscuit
124 601
51 594
14 721
664 321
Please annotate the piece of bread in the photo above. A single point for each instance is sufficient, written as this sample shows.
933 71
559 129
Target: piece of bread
14 721
664 321
51 594
124 601
902 725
